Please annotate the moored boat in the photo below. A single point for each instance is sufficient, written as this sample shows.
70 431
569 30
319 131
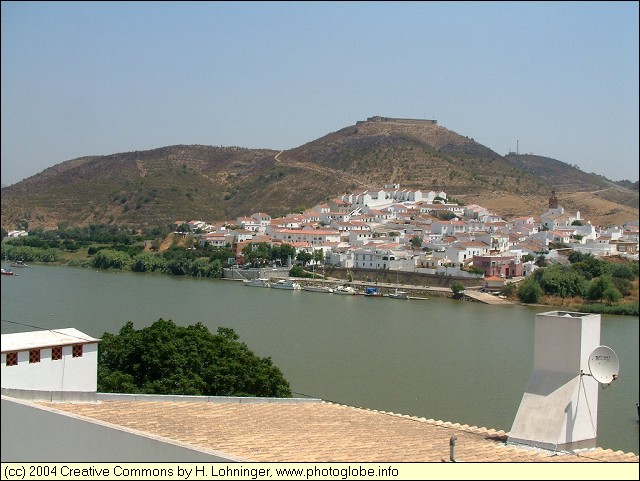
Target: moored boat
398 295
286 284
345 290
372 292
259 282
312 288
18 263
5 270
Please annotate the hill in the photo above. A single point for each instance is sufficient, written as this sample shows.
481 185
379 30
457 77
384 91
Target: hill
188 182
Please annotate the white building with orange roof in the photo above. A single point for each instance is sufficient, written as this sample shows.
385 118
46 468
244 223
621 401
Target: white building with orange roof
524 230
263 219
448 227
498 242
215 239
240 235
339 204
528 221
475 211
350 226
547 236
367 218
380 216
461 252
284 223
310 216
248 223
329 217
319 208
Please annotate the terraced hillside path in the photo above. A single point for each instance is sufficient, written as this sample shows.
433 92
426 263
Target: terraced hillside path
322 170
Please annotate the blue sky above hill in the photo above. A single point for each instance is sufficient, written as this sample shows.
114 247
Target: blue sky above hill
558 79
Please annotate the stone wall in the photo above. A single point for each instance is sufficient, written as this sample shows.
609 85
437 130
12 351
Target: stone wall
378 118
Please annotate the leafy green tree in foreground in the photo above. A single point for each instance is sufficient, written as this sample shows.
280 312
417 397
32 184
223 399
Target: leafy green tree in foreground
168 359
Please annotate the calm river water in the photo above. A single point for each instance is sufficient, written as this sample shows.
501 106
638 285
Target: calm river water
442 359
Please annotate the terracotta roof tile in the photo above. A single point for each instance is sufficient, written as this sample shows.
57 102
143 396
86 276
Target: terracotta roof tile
317 432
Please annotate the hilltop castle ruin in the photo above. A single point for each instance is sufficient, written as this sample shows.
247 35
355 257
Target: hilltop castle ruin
378 118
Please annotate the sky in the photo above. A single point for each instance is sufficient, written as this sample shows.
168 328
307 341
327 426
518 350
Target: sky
557 79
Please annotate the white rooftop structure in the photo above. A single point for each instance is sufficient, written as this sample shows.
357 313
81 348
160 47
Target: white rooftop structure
559 410
21 341
60 363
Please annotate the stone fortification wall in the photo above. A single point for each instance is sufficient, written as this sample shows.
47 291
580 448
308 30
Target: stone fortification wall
378 118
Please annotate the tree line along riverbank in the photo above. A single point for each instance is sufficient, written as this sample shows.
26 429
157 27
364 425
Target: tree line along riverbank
582 282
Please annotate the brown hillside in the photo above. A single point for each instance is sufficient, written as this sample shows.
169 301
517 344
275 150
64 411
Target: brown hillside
189 182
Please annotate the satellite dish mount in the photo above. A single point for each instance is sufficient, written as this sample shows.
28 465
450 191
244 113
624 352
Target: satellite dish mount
603 366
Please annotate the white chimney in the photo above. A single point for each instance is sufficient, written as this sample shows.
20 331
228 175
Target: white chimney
559 410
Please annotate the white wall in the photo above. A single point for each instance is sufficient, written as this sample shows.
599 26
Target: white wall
67 374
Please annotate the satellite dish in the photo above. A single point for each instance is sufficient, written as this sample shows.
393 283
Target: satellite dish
604 365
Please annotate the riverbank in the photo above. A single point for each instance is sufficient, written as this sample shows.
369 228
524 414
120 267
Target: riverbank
418 285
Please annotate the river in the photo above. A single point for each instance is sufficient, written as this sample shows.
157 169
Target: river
443 359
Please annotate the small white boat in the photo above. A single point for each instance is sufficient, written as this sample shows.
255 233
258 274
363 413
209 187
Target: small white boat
345 290
312 288
5 270
259 282
18 263
286 284
398 295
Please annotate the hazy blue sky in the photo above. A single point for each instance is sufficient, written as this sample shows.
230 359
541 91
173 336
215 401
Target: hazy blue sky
96 78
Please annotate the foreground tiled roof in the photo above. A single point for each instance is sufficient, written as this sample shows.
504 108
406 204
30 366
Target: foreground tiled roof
317 432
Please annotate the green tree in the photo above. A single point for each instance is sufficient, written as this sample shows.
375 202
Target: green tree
599 286
147 262
575 256
561 281
457 288
257 254
304 257
530 291
168 359
282 253
298 271
416 242
111 259
509 289
318 256
611 295
591 267
623 271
